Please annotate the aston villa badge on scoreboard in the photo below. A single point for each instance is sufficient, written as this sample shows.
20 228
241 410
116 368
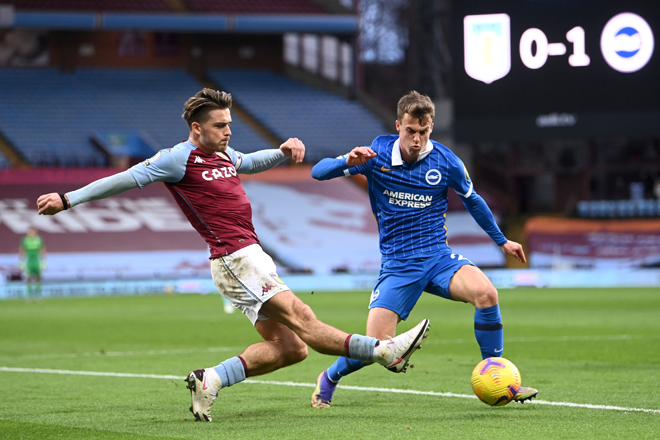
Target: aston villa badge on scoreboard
487 46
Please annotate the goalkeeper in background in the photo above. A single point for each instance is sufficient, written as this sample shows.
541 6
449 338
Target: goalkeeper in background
32 254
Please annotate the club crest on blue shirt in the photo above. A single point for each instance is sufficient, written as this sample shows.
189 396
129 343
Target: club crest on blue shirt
433 177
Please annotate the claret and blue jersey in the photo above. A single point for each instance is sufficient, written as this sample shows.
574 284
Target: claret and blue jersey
410 201
208 190
206 186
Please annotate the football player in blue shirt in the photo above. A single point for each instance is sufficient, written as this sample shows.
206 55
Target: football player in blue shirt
408 178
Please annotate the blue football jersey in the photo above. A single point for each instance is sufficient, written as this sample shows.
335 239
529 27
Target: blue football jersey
410 201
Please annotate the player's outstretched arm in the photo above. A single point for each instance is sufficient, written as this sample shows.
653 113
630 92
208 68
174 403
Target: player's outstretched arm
330 168
264 160
482 214
293 148
51 204
359 156
515 250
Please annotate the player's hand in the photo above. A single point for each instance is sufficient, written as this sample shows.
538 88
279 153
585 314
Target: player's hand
515 250
294 148
50 204
359 156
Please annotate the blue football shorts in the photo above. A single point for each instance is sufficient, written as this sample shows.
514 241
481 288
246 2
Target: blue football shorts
401 282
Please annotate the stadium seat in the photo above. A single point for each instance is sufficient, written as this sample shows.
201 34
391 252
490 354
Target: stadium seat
328 124
4 162
50 116
618 208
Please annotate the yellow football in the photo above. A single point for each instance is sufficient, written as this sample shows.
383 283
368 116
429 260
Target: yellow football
495 381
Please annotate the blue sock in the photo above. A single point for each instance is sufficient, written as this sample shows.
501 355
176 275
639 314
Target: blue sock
343 367
489 332
231 371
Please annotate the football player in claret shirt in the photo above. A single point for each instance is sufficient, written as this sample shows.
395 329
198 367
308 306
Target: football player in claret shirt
408 178
202 175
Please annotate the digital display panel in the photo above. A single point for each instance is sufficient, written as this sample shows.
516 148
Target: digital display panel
556 69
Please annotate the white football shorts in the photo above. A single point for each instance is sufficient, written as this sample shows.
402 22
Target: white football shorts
247 278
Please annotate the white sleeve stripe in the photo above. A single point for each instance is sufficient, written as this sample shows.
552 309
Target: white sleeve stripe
468 194
347 173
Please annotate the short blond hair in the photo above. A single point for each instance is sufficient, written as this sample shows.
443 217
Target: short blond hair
416 105
197 108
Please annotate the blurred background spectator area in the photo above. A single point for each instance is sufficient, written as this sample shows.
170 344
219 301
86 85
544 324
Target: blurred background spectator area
90 87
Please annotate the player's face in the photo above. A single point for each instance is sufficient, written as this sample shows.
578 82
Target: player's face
413 136
214 133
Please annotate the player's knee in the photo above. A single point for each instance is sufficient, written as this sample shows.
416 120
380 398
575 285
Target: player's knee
300 353
487 297
490 297
295 352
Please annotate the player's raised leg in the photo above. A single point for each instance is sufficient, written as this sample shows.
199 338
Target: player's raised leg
380 323
395 294
248 278
291 325
393 353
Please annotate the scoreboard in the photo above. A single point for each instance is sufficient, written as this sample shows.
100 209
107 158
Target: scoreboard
556 69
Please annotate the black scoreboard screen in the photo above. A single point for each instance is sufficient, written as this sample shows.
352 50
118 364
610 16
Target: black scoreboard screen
556 69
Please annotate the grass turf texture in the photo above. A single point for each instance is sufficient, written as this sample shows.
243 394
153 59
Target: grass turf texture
587 346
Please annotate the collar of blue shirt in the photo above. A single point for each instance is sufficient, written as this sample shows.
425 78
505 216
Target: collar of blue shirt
396 153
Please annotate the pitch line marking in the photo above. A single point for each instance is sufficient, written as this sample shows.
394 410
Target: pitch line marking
310 385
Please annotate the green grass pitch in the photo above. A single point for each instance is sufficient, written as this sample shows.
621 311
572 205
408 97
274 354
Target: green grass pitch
594 347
